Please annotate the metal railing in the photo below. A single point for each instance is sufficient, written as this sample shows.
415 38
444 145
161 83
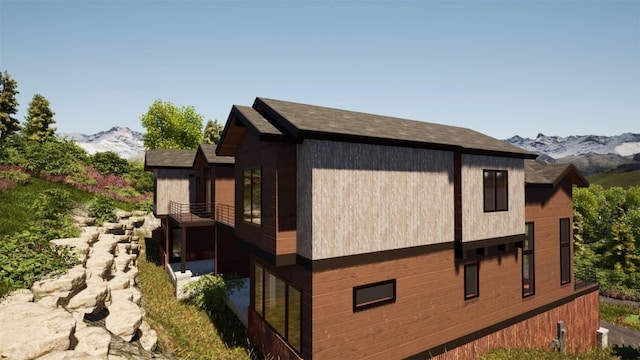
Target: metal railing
225 214
191 212
584 276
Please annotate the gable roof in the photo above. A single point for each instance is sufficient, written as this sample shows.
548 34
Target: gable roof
169 158
282 120
209 152
550 175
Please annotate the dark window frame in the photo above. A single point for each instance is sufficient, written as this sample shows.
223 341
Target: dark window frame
253 220
468 295
263 313
495 190
374 303
565 251
528 251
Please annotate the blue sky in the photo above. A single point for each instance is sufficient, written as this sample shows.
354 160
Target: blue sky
500 67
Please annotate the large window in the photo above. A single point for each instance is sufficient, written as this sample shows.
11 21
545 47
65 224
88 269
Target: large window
252 195
495 190
565 251
376 294
471 281
279 304
528 272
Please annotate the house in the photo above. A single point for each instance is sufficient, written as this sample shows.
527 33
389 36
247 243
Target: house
383 238
187 186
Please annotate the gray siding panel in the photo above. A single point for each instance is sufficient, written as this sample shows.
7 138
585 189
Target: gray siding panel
172 185
360 198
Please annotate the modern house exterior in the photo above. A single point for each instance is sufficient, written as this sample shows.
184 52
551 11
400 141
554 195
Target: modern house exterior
378 237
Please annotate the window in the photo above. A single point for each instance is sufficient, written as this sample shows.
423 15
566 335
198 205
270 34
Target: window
471 281
528 275
495 190
279 304
565 251
376 294
252 195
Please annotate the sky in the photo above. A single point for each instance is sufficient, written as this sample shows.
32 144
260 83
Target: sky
499 67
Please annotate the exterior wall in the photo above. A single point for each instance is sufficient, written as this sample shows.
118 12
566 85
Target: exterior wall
200 243
277 232
231 259
224 186
478 225
360 198
430 309
172 185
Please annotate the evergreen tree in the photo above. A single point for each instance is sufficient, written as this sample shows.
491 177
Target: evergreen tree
212 132
39 120
8 105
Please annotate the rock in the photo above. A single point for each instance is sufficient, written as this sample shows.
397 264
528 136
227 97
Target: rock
122 294
91 299
122 262
137 295
147 336
124 319
74 279
99 264
18 296
106 243
137 221
69 355
93 341
113 228
91 233
123 215
139 213
120 280
132 274
79 246
84 221
46 330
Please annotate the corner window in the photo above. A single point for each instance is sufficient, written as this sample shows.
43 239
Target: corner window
565 251
279 304
495 190
252 195
528 273
376 294
471 281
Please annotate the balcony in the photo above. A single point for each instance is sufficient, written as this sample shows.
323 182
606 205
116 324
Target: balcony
197 214
584 276
225 214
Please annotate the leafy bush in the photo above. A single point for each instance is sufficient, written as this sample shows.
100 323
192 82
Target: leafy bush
145 205
109 162
53 204
27 257
54 156
210 291
102 208
139 179
14 174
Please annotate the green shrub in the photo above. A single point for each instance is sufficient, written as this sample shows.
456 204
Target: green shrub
103 209
210 291
141 180
126 192
54 156
109 162
145 205
52 204
17 176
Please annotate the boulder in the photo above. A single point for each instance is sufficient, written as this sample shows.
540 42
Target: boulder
46 330
93 341
99 264
91 233
113 228
137 221
124 319
120 280
69 355
69 282
122 262
132 274
123 215
147 336
91 299
18 296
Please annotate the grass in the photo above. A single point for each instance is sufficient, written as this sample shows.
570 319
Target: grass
526 354
185 330
15 203
609 179
622 315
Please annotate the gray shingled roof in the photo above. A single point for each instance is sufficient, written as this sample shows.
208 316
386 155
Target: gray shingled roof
169 158
209 151
257 121
309 121
551 174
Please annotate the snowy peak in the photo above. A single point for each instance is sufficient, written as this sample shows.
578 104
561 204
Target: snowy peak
557 147
121 140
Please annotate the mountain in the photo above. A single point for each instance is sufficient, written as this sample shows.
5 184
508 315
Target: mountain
121 140
558 147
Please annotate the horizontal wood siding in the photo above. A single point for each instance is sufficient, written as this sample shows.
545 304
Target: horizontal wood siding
430 309
200 243
172 185
224 185
360 198
231 259
478 225
277 233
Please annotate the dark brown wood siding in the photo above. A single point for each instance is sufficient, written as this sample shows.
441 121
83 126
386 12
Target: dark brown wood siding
224 186
231 259
200 243
277 232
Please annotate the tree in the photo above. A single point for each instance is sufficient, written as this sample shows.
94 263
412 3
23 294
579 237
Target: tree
8 105
212 132
39 120
171 127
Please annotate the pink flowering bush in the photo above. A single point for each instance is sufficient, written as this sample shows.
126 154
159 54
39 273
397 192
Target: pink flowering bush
12 176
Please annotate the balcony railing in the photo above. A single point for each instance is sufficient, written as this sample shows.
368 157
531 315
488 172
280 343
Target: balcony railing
584 276
225 214
191 212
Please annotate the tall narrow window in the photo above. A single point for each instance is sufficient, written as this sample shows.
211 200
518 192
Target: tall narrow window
528 272
496 190
471 281
565 251
258 285
252 195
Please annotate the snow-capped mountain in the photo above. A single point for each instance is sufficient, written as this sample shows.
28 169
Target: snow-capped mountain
558 147
121 140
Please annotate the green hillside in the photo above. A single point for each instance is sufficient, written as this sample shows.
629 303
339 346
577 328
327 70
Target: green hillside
612 178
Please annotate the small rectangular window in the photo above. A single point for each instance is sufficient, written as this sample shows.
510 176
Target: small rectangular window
252 195
528 269
471 281
565 251
496 190
376 294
